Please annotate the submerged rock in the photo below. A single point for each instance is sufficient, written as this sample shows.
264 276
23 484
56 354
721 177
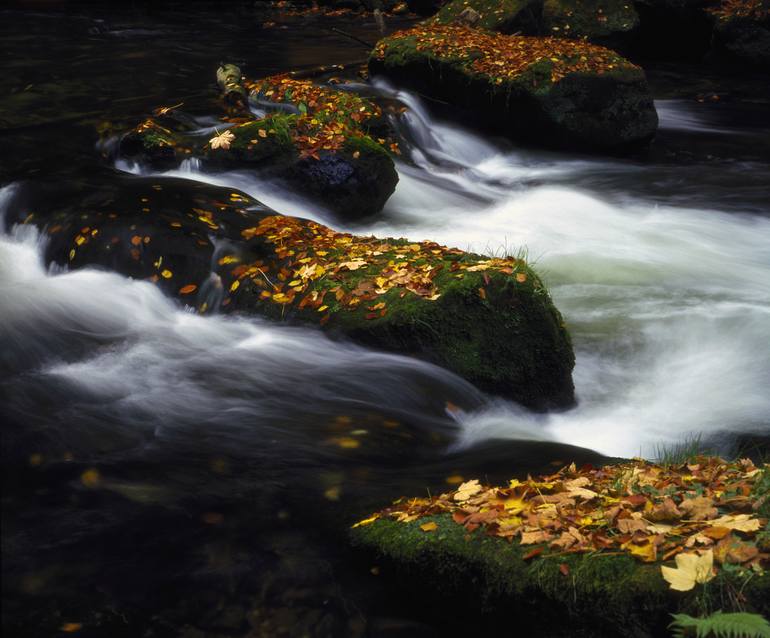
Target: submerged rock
742 30
549 91
596 543
488 320
322 143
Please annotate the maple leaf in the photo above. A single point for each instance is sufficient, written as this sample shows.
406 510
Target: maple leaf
354 264
700 508
691 569
222 140
740 522
537 536
467 489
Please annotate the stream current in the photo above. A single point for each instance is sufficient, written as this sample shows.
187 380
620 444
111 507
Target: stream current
660 266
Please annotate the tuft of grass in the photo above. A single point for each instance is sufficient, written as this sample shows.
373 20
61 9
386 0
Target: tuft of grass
681 452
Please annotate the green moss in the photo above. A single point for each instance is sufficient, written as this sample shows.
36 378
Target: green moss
268 138
496 15
605 594
593 19
550 91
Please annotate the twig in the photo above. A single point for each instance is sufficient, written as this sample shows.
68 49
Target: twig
368 45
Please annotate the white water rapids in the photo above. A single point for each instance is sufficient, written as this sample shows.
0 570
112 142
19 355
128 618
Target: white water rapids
668 306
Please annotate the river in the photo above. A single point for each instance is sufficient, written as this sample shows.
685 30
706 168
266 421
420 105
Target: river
212 439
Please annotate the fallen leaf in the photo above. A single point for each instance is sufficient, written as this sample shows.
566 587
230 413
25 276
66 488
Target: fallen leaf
222 140
429 527
467 489
700 508
691 569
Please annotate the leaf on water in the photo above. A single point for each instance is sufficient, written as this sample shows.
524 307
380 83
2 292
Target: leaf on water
71 627
189 288
691 569
91 477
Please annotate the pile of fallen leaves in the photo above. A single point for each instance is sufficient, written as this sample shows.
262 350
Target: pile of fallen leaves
328 117
753 9
700 513
326 270
503 58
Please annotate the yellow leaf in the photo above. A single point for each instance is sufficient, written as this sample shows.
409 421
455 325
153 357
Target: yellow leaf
515 504
429 527
467 489
691 569
367 521
645 550
91 477
740 522
166 274
222 140
234 285
71 627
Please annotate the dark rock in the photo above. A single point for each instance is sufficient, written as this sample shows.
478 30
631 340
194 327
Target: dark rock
548 91
490 321
742 31
325 148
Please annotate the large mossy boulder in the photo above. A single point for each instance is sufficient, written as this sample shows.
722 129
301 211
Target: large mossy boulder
597 544
488 320
549 91
329 145
742 30
602 21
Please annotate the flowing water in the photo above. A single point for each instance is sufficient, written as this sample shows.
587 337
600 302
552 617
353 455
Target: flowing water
204 428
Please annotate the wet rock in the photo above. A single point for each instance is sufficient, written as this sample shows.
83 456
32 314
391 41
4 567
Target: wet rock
489 320
548 91
608 22
323 147
471 569
507 16
742 31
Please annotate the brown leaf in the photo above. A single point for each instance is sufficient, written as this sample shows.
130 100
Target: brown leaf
700 508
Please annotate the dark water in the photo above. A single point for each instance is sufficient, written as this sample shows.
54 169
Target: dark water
169 474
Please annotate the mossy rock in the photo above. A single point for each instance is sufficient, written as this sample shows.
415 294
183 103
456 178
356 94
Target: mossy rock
608 22
742 31
505 16
322 147
490 321
473 581
548 91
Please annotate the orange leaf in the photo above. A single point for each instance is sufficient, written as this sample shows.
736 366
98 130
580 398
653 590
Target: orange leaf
186 290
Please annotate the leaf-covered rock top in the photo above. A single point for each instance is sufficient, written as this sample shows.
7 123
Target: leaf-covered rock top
758 10
708 507
503 58
317 268
327 117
